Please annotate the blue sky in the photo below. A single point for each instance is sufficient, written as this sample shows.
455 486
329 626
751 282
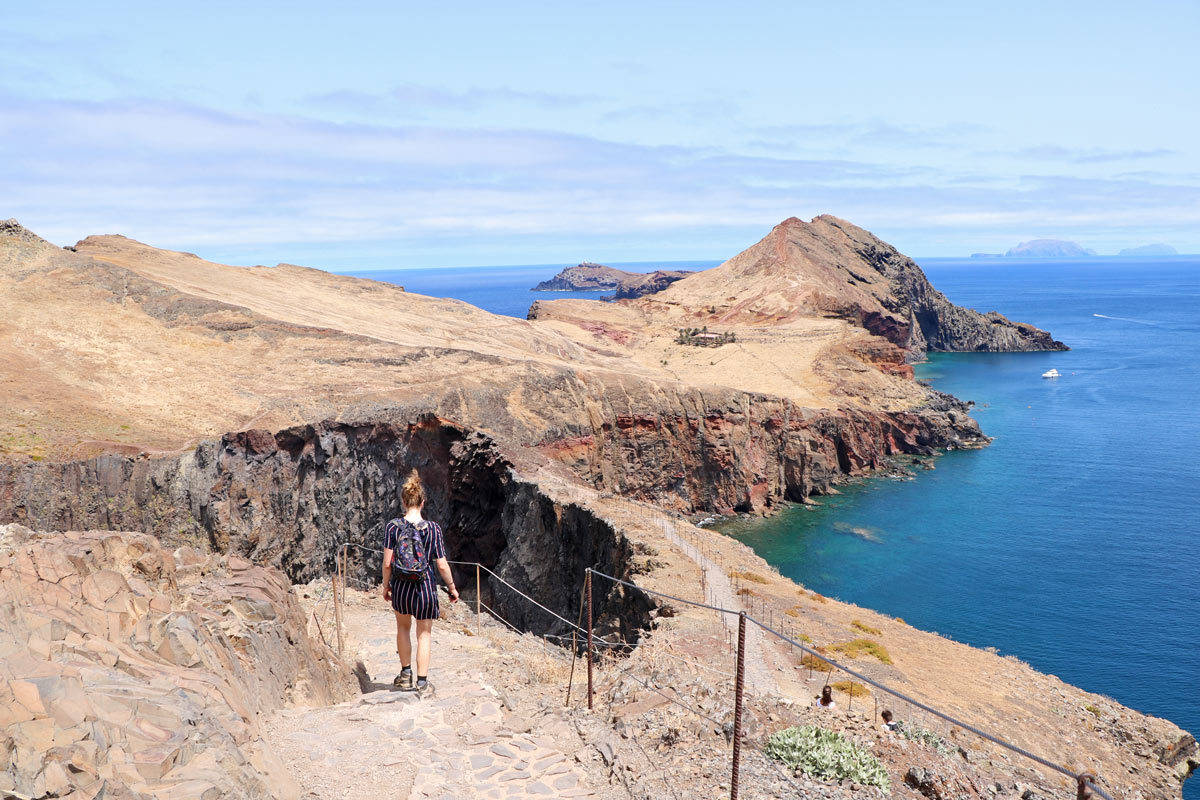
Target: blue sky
401 135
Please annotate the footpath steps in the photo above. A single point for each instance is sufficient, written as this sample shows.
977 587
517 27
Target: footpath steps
466 737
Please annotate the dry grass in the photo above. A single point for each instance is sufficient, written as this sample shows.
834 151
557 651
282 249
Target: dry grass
1092 710
753 577
851 688
816 664
744 591
861 626
859 647
817 597
794 611
536 664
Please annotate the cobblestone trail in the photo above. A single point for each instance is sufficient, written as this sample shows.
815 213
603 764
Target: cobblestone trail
462 739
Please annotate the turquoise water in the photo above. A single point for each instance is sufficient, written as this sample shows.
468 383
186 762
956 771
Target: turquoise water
1069 542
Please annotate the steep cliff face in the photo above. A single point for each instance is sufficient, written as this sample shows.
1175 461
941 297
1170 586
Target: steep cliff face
729 452
292 499
934 323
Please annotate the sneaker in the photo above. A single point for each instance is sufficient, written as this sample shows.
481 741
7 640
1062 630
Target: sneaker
423 685
404 681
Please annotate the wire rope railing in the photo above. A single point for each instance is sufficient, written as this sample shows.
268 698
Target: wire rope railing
1085 782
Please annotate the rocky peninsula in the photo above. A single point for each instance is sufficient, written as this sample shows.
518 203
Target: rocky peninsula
255 418
589 277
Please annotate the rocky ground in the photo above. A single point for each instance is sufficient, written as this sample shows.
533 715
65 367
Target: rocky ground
146 673
129 671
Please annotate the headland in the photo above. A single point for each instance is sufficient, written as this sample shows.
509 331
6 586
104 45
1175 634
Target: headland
269 414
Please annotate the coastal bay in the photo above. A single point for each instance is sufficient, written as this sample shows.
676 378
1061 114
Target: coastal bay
1068 541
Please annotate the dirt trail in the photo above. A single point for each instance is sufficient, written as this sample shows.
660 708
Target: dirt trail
471 736
720 593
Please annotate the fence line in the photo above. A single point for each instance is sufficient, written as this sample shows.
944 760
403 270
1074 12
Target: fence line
1085 782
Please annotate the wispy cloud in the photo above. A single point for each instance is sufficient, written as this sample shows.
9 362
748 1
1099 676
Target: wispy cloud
873 133
182 176
413 97
1077 155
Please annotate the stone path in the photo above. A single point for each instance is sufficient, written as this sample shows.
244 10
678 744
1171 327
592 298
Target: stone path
465 738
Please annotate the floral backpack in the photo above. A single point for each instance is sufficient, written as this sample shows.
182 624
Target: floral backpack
410 562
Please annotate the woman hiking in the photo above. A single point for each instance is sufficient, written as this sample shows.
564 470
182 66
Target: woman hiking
412 547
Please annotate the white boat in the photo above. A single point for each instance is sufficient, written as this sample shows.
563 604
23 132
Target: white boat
1052 373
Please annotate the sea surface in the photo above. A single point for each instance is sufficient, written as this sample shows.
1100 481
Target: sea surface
506 289
1071 541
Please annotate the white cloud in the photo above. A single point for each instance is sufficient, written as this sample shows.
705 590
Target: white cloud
182 176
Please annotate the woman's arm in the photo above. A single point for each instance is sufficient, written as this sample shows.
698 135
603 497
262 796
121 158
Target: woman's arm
447 578
387 574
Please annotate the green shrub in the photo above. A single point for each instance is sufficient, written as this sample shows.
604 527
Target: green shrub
826 755
915 733
865 628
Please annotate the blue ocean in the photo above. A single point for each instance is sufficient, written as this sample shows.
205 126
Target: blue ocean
1069 541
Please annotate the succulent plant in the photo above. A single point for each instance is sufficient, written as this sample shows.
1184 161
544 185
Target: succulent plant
824 754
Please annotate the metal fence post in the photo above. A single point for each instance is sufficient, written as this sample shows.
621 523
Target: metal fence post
478 596
737 706
588 581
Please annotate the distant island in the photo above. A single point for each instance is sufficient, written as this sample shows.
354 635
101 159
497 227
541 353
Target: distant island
589 277
1150 250
1049 248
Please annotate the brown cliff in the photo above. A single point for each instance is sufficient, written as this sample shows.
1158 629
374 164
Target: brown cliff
829 267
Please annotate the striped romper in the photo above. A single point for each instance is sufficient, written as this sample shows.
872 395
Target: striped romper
418 598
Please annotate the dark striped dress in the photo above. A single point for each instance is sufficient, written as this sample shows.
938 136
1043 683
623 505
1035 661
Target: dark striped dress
418 598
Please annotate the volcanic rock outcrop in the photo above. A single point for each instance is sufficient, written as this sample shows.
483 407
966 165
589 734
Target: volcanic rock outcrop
127 670
832 268
120 348
589 277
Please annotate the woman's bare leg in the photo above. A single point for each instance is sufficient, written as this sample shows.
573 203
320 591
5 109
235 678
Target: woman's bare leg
424 635
403 639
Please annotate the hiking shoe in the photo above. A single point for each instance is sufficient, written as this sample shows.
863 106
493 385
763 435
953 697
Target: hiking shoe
423 686
404 681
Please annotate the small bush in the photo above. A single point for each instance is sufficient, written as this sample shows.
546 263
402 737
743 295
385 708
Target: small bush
1092 710
860 626
817 597
794 611
815 663
851 688
916 733
858 647
826 755
902 622
750 576
746 591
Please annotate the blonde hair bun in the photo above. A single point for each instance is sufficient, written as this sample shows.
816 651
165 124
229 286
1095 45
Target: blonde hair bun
413 492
